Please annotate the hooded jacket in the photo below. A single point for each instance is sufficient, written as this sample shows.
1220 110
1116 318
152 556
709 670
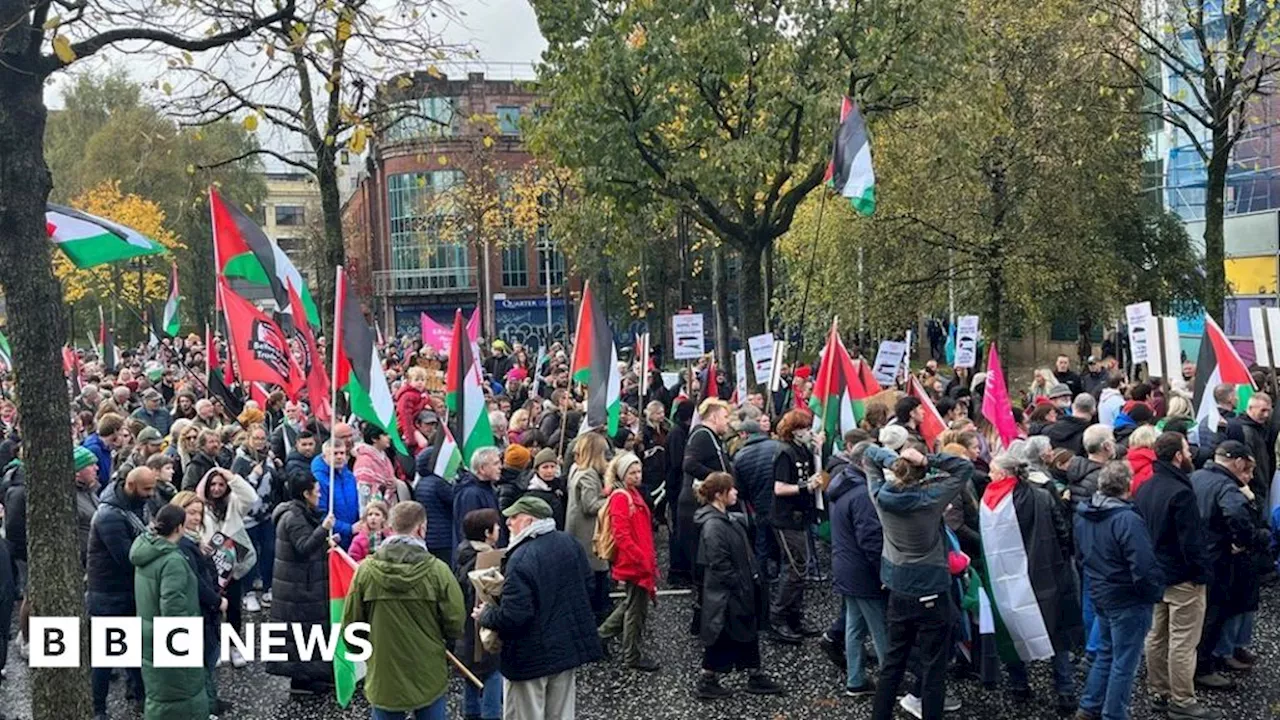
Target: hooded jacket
346 498
300 586
1114 548
1067 433
857 540
115 525
435 494
1082 478
1224 512
98 447
753 470
166 587
635 561
1110 403
263 485
414 608
470 494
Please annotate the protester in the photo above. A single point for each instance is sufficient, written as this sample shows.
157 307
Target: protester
86 483
105 440
481 536
794 485
154 413
475 489
587 494
545 484
331 465
1253 428
413 607
435 495
209 445
166 586
544 617
513 478
411 399
212 604
753 466
373 530
1069 431
703 455
635 562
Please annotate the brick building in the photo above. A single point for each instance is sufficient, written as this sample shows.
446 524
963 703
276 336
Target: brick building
396 247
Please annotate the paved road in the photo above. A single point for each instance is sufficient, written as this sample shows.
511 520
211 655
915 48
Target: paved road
608 692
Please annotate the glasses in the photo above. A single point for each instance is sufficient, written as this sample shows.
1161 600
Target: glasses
189 437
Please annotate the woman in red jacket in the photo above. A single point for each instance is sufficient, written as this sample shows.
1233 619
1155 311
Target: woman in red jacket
634 561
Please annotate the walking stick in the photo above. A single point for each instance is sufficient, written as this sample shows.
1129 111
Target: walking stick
462 669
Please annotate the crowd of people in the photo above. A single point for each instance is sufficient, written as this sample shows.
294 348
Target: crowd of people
1114 528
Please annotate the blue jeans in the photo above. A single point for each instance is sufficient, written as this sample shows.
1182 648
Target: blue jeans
485 704
1110 683
1094 637
1064 679
434 711
263 537
1237 632
862 616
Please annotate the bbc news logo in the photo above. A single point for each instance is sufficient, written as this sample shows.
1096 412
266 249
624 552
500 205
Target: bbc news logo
178 642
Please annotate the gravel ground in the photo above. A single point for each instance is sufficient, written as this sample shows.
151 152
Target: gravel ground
814 686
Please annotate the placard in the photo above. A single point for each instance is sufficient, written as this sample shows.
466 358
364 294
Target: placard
762 356
775 370
687 336
966 341
1138 316
1258 328
740 373
1273 328
1164 348
889 359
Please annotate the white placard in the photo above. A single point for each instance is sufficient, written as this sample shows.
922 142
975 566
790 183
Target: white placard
1258 328
966 341
1164 348
740 373
1138 316
775 371
686 334
670 380
761 356
1273 329
889 359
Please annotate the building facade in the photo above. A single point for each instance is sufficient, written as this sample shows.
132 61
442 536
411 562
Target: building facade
409 236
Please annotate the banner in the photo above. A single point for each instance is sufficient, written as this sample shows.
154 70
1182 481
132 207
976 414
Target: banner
889 359
966 341
687 336
740 373
761 356
439 337
1164 347
1138 315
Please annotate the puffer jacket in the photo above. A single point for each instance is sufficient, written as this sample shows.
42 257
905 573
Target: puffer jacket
732 596
1114 547
115 525
857 540
166 587
300 587
1082 478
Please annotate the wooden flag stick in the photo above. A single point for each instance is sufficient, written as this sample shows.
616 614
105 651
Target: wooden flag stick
462 670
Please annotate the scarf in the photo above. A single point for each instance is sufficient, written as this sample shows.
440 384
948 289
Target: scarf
537 483
534 529
405 540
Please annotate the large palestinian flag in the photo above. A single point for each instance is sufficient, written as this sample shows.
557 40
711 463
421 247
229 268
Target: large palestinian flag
1009 575
468 413
346 673
1218 363
595 364
356 364
242 250
838 411
850 172
88 240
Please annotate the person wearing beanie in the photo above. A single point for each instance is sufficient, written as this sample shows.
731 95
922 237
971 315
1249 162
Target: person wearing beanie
513 481
546 485
893 437
86 480
634 561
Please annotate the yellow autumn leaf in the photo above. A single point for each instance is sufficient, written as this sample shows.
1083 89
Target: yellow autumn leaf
488 141
167 88
250 122
344 30
191 169
62 48
53 22
442 160
434 72
186 57
357 141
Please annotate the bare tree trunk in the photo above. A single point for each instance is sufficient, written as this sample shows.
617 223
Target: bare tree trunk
1215 280
720 304
334 252
36 333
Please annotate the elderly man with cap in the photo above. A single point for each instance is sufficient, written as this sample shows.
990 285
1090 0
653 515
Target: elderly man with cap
1095 377
1229 522
543 617
148 443
153 412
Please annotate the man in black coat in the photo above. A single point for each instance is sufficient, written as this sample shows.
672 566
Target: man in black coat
753 470
1064 374
1253 428
703 455
1068 432
1167 502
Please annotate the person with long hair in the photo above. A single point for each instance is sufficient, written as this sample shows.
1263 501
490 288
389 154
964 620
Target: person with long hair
733 593
166 586
635 563
587 494
182 444
227 499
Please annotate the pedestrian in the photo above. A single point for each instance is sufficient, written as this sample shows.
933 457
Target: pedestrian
635 563
253 463
587 494
753 467
910 501
373 529
1167 502
1123 580
413 607
543 617
795 481
435 495
116 524
1253 428
703 455
212 604
545 483
166 586
227 499
374 472
109 437
331 465
475 489
302 581
481 529
1068 431
733 594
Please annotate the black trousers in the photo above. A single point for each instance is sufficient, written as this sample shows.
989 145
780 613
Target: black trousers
925 626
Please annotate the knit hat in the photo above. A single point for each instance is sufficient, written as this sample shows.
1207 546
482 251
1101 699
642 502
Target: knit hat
1060 390
251 416
893 436
544 456
803 371
517 456
529 505
83 457
150 435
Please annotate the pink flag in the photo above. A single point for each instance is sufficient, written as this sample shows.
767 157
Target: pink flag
439 337
995 400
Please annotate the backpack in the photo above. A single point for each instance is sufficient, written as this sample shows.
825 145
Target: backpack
603 543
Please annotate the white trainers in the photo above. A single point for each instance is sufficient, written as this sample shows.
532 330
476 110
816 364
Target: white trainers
266 599
237 660
251 603
911 704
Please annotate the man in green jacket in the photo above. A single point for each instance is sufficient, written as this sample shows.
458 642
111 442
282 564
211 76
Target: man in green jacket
412 604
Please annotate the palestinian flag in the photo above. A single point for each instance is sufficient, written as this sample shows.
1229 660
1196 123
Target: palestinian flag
838 411
260 347
89 241
342 571
107 352
6 355
468 412
712 390
357 366
850 171
242 250
1009 575
595 364
867 382
1218 363
170 323
933 424
448 457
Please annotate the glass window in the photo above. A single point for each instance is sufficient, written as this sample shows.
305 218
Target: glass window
550 261
515 266
421 258
291 215
422 119
509 119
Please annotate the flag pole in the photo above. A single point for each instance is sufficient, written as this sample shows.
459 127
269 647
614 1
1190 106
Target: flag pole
338 301
813 257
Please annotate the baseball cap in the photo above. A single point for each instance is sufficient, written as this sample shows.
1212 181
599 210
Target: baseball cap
149 435
1093 360
529 505
427 416
1233 450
